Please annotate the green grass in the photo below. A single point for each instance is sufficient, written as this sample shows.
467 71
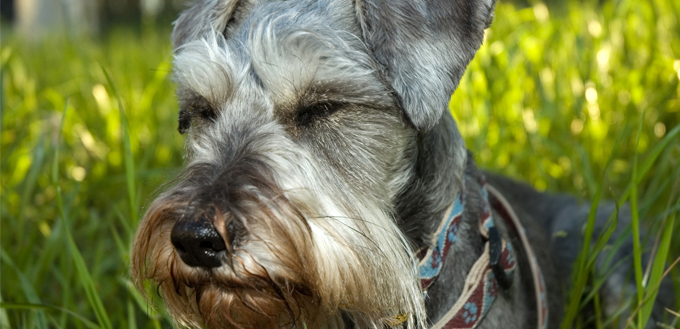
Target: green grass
585 100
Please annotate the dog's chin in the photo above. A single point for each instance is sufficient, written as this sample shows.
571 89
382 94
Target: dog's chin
250 308
251 303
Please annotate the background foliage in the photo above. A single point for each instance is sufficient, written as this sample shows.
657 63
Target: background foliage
544 100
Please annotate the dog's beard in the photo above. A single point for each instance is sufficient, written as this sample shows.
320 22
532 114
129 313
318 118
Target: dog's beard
304 260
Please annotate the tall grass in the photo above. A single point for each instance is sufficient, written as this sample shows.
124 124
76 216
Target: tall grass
571 101
565 100
68 234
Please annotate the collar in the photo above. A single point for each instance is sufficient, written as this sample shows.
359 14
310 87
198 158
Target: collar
493 269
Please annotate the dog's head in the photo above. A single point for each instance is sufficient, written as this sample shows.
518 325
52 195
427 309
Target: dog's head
304 122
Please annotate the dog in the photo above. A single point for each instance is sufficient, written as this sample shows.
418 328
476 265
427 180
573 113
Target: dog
327 186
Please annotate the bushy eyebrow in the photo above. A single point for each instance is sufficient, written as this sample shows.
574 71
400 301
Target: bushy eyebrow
206 67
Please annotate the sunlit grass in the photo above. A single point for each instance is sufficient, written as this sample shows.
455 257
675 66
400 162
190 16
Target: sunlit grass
94 180
571 102
556 99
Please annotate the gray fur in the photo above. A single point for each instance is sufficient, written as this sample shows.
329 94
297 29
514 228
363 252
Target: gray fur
320 149
424 47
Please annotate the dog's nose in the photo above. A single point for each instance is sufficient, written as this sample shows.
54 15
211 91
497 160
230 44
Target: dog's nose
198 243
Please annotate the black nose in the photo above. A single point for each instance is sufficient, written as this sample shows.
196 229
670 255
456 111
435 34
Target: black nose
198 243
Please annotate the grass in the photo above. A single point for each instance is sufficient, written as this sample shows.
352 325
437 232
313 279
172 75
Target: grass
583 99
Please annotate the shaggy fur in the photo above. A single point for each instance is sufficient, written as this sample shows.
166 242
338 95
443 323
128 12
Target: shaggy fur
319 158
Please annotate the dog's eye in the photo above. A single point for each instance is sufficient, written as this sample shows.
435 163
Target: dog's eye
184 121
189 115
316 111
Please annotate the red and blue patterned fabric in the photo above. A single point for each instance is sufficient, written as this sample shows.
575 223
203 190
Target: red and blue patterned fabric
481 286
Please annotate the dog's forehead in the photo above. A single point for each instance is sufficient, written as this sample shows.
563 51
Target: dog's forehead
280 50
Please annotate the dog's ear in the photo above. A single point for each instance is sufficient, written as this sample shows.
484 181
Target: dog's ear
200 18
424 47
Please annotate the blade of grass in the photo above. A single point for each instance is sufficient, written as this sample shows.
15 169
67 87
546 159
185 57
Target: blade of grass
155 313
148 308
644 169
620 240
635 224
60 274
658 183
132 320
652 156
675 314
4 319
51 250
30 181
596 305
83 273
600 244
582 272
122 247
663 218
603 239
658 267
54 322
127 150
141 301
654 289
588 177
613 319
34 306
2 92
29 291
599 282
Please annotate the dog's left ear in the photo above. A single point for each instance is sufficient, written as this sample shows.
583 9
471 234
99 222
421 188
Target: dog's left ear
424 47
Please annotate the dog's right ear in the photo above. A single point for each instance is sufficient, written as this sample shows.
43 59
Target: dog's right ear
424 47
201 18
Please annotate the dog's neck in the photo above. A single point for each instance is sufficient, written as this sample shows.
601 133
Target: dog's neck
443 172
442 168
439 160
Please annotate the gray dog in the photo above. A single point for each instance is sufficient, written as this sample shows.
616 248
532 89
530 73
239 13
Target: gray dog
327 185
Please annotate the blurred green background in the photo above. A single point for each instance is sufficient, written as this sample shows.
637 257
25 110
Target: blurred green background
545 100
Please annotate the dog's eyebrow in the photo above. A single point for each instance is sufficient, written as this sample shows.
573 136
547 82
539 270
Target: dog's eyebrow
204 66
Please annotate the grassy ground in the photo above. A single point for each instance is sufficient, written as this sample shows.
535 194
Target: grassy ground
585 101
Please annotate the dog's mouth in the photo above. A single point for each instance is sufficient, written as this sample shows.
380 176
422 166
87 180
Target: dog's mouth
252 302
234 295
234 276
